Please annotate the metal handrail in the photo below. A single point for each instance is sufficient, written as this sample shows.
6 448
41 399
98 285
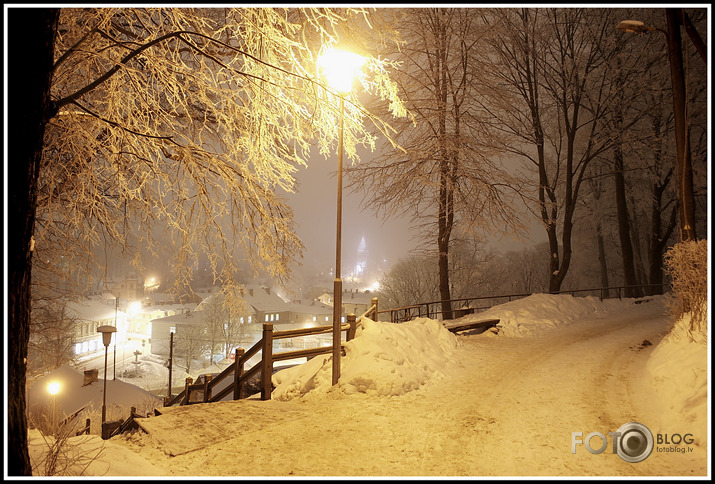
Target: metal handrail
431 312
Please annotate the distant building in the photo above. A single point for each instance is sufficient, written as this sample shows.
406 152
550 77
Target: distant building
90 313
354 302
264 306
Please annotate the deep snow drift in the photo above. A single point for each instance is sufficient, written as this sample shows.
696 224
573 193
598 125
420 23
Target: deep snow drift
402 398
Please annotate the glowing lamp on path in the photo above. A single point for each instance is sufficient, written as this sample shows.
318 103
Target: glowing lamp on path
340 67
107 332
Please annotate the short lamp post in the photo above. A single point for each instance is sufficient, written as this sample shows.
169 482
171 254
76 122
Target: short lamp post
172 330
53 389
340 68
106 339
116 310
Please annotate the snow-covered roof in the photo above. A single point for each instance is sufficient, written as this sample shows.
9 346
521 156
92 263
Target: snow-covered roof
188 317
92 309
316 309
263 299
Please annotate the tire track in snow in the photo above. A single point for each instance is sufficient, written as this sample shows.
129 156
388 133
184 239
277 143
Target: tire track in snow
519 400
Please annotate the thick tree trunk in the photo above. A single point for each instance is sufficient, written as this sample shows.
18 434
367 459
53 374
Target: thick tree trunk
445 216
602 261
31 37
658 241
682 140
444 290
624 232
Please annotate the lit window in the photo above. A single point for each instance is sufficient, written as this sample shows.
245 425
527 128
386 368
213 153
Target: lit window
326 318
315 318
78 348
266 318
241 319
271 317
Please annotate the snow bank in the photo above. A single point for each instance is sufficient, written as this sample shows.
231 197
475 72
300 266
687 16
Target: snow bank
73 395
679 364
384 359
537 313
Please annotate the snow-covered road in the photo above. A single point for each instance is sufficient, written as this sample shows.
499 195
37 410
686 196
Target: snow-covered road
523 398
509 409
415 400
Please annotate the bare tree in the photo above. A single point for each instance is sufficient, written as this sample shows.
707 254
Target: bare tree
190 341
448 174
412 280
224 324
52 336
526 270
471 271
551 93
234 331
216 319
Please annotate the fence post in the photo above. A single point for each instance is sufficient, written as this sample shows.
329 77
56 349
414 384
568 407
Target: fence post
352 321
207 380
237 372
373 302
189 381
267 361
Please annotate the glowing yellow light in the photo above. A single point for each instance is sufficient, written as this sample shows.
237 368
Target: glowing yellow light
135 307
340 68
53 388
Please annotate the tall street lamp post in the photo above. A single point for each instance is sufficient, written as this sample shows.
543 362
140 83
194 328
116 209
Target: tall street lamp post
340 68
106 339
675 18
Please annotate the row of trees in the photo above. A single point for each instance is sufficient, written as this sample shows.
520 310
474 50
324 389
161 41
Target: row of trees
556 108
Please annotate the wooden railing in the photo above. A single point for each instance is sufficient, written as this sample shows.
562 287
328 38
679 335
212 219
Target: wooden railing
468 305
203 392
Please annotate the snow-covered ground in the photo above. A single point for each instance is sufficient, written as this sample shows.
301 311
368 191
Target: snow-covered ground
417 400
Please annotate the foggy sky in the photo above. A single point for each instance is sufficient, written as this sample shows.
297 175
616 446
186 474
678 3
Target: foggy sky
315 213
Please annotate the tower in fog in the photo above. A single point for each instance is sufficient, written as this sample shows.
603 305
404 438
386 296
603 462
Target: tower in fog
362 257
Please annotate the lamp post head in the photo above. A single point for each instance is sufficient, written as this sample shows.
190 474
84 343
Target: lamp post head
634 26
106 333
340 68
53 387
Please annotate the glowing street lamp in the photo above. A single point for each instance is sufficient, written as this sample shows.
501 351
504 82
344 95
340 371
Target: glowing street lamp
106 339
340 68
53 388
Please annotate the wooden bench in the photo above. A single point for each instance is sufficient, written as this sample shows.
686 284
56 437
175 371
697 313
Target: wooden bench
485 324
